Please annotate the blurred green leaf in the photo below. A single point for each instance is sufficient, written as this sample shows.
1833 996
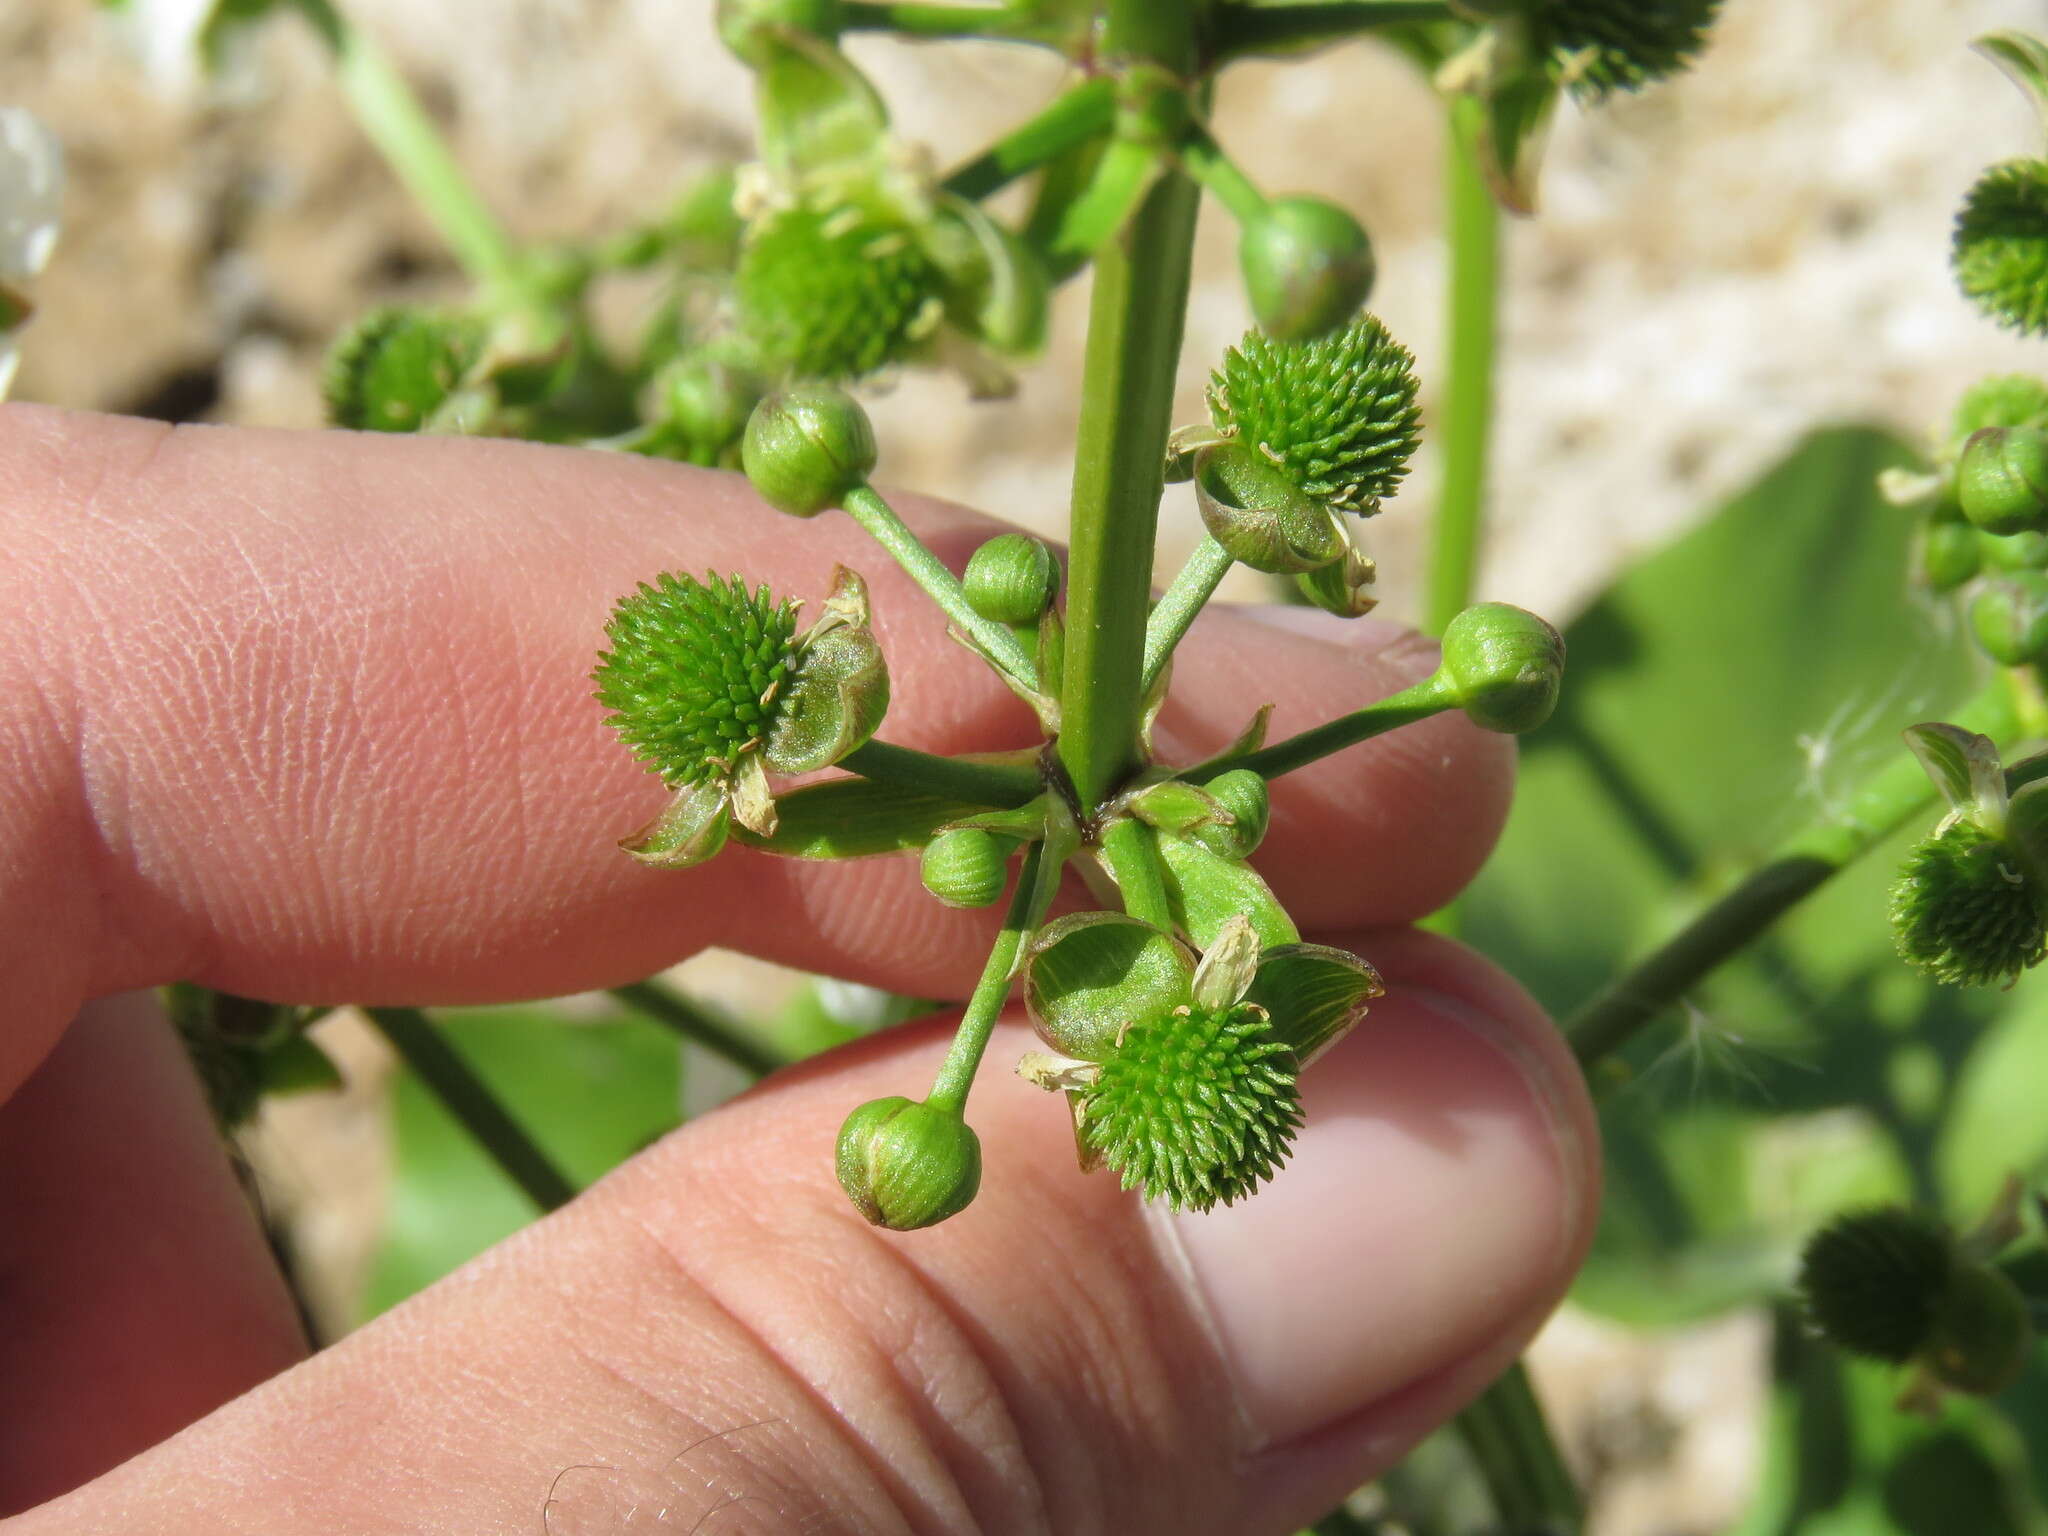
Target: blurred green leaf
590 1094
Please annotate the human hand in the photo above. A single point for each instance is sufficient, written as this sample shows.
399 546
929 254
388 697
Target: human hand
307 716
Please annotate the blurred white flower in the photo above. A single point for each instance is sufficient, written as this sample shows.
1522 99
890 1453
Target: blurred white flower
31 189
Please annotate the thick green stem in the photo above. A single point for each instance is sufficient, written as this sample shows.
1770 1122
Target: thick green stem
1135 320
1418 701
1795 870
464 1095
1091 222
941 585
1037 879
1133 859
750 1054
949 778
1074 117
1510 1439
1256 28
1208 164
394 120
1191 589
1466 427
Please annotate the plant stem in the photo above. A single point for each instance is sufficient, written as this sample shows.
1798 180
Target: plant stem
1467 426
1004 23
1510 1439
949 778
1208 164
1092 220
751 1055
1073 118
1795 870
393 119
1135 320
466 1097
1027 907
1416 702
1176 610
888 530
1255 28
1133 859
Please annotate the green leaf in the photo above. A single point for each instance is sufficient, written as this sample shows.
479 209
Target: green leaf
1722 695
855 818
590 1094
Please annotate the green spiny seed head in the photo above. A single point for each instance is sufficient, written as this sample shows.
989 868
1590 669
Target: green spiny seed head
697 673
1983 1333
2002 479
806 447
1624 45
1012 579
1504 665
1949 555
2009 617
1308 267
966 867
907 1165
1195 1107
834 295
1964 912
2000 253
395 367
2004 400
1336 415
1872 1281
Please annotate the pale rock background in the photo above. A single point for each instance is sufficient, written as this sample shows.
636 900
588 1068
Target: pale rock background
1720 264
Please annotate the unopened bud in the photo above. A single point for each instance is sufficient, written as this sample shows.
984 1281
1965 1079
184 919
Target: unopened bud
1308 267
2010 618
2002 479
805 448
907 1165
1243 794
1012 579
1504 666
1949 555
966 867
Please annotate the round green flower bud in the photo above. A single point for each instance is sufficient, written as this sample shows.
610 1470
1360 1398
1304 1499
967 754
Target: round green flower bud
1948 555
907 1165
395 368
1965 912
708 403
1623 45
1242 793
1196 1107
1012 579
834 295
806 447
698 673
2009 618
1982 1334
2002 479
2000 253
1873 1281
1336 415
966 867
2009 552
1308 267
1504 666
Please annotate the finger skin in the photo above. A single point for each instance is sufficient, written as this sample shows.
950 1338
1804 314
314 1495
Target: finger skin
714 1323
307 716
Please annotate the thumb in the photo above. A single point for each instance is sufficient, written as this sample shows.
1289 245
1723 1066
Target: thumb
715 1329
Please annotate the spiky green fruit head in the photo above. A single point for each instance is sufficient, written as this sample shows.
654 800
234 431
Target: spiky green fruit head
1623 45
835 295
1195 1107
1874 1280
2004 400
2001 245
1336 415
697 673
395 367
1964 912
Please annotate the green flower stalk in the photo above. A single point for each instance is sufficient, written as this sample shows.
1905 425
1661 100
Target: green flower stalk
2000 253
713 688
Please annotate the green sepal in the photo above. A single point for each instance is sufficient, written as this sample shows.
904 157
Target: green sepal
1343 587
1313 995
1964 766
1258 515
841 690
1244 795
817 114
1248 741
1174 805
1983 1334
998 290
1091 975
692 828
1206 890
855 818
